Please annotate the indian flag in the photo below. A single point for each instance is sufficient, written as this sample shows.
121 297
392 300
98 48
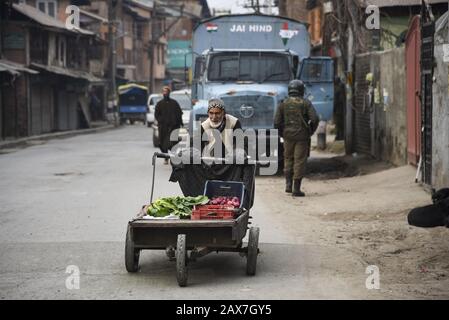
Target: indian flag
211 27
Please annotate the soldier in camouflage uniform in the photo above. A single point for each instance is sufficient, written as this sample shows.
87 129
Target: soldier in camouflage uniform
296 120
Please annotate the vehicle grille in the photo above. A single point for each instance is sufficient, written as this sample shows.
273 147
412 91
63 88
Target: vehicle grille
253 111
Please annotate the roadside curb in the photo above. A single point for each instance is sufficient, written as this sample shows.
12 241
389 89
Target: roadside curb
57 135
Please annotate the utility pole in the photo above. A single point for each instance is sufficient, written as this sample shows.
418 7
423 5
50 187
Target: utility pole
152 46
253 4
112 29
257 7
282 5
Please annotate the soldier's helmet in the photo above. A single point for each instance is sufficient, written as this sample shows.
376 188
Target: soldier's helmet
296 88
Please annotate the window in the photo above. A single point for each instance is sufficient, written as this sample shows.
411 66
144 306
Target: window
57 48
183 100
317 70
224 67
62 51
49 7
95 52
128 57
139 31
38 46
199 67
41 6
249 66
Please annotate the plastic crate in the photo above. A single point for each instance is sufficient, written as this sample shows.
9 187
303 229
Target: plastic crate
214 212
225 189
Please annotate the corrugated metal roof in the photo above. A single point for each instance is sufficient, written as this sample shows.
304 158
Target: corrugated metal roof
125 88
144 3
138 12
9 70
93 16
46 20
68 72
14 68
191 10
397 3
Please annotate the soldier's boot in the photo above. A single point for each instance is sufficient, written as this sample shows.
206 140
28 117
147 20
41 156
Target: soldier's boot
297 189
288 182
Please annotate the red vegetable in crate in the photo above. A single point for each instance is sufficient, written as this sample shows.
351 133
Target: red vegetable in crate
228 201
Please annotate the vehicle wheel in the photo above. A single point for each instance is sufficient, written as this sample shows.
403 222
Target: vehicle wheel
131 253
148 124
131 122
253 251
181 260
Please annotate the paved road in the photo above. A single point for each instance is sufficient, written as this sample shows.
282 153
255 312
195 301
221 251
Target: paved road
67 202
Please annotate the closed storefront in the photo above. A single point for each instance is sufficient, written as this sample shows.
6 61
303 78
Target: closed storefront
42 109
67 114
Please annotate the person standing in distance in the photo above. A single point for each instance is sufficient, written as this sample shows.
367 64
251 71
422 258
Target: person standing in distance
168 114
296 120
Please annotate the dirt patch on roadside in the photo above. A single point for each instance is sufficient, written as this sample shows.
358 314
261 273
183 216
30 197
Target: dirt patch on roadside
332 168
342 167
367 215
413 262
363 217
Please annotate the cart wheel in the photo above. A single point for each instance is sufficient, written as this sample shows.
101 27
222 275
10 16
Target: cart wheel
253 250
131 254
181 260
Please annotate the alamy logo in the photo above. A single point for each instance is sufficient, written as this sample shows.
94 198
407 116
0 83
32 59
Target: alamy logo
373 280
373 20
73 20
240 146
73 281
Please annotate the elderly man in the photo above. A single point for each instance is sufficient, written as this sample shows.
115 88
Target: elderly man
168 114
218 132
222 123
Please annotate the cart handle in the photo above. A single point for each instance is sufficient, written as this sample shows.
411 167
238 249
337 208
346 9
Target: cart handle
160 155
247 160
156 155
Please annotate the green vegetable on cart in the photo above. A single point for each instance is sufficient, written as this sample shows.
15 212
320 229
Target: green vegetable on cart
180 206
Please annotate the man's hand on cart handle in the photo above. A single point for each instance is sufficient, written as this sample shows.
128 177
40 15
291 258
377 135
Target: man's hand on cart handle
162 155
247 160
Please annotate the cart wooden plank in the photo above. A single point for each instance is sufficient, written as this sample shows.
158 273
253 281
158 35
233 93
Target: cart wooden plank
148 223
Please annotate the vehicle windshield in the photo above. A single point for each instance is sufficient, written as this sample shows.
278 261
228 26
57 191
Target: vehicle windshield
133 99
316 71
155 100
249 66
183 100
